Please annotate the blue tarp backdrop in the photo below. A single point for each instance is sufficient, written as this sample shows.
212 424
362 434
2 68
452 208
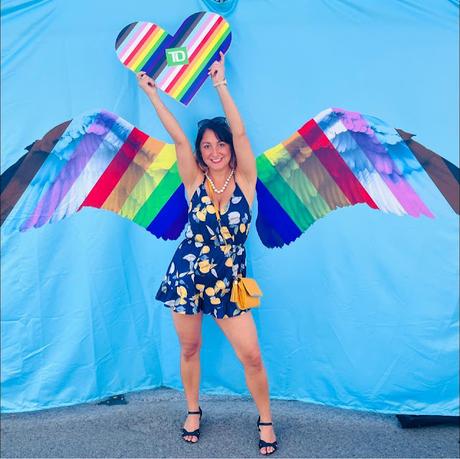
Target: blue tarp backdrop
361 312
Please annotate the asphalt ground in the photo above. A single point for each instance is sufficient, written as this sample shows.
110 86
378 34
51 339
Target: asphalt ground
149 426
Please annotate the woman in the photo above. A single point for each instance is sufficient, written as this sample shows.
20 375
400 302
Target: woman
220 186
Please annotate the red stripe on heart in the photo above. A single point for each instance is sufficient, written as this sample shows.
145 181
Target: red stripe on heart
140 44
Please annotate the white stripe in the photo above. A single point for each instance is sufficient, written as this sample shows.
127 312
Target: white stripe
133 45
371 180
124 44
92 172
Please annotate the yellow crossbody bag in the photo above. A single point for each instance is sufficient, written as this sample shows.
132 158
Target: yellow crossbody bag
245 291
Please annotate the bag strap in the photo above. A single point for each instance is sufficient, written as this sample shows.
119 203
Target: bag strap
211 193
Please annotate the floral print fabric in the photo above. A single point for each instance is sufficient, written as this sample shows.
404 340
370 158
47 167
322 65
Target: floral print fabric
202 270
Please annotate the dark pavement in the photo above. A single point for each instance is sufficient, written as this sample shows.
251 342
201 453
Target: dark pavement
149 426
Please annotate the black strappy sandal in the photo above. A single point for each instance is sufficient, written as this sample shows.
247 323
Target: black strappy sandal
264 444
195 433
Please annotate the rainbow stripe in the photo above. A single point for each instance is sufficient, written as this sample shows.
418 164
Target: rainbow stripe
141 46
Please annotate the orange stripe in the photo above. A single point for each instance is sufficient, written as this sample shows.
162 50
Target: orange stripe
315 171
140 163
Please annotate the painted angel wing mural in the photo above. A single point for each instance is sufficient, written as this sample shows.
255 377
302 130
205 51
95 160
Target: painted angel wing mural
337 159
96 160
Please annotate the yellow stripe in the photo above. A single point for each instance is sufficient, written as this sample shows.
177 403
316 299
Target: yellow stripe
199 59
296 179
149 181
146 47
137 167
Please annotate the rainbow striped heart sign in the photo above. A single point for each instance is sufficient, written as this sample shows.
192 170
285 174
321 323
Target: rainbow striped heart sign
178 63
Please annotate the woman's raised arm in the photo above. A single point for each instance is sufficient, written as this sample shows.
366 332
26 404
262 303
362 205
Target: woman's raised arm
186 162
244 155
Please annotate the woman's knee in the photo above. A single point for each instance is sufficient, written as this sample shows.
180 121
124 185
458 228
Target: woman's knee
252 359
190 349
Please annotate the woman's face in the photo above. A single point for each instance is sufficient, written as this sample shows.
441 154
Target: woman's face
216 153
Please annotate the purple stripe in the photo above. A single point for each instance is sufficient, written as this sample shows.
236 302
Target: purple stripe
157 62
71 171
274 226
152 66
187 97
171 219
384 165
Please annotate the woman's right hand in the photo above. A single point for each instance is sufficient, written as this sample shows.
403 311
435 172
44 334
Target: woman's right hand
146 83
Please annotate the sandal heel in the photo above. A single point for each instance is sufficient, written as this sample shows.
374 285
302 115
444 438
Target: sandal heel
264 444
195 433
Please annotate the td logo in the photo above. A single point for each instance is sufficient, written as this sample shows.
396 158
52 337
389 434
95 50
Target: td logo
177 56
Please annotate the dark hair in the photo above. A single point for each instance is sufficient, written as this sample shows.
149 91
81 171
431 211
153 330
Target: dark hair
222 131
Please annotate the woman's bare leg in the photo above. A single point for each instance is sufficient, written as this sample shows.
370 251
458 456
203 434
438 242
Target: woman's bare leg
242 334
188 328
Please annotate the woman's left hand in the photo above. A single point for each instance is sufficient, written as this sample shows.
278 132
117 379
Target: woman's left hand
217 69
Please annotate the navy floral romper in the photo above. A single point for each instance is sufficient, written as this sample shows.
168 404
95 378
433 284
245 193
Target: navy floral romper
201 273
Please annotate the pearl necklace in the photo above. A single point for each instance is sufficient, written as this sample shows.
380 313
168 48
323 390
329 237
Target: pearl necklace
225 184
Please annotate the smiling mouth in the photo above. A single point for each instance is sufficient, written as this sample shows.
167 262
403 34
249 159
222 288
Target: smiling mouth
215 161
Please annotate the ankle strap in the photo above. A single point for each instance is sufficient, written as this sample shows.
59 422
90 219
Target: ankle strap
265 423
193 412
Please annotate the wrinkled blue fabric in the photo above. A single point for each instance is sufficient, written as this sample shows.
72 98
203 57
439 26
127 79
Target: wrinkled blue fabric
364 312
